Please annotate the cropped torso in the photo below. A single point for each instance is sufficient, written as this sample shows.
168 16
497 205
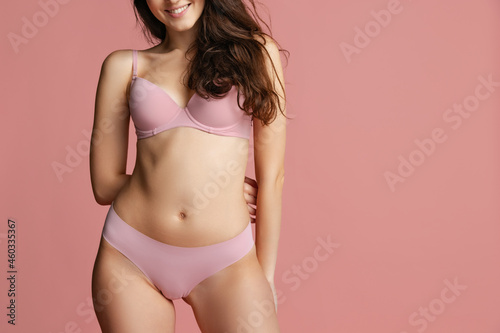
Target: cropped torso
186 188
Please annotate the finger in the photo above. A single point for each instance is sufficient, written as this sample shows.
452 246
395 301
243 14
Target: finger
251 210
249 190
252 182
250 199
250 186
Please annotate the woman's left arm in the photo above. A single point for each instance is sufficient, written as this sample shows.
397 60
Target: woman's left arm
269 156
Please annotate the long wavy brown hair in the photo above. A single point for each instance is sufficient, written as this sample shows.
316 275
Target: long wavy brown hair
226 53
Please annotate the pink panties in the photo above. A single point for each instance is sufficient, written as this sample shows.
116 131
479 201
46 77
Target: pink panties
174 270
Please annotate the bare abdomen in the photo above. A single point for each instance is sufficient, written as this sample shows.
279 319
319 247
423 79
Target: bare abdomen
187 188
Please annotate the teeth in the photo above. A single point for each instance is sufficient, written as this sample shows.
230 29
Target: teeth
178 10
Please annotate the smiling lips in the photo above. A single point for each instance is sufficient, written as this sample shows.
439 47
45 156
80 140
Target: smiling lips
178 10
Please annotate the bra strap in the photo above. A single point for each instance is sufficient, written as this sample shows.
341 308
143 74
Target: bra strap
134 64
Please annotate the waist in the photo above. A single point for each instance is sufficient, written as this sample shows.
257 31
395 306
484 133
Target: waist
181 211
186 187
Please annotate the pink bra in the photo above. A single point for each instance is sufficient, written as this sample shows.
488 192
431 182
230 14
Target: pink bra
154 111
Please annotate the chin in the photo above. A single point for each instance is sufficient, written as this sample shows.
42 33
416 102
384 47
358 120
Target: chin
180 27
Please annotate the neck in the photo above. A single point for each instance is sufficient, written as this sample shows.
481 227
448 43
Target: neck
179 40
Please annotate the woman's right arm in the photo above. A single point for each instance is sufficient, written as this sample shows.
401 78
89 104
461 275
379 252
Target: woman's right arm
110 131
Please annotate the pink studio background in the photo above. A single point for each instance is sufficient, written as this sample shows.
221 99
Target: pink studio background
398 250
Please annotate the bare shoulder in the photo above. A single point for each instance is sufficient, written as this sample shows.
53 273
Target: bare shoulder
269 44
116 73
273 57
118 64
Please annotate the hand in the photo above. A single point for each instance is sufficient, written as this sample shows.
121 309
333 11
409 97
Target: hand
250 194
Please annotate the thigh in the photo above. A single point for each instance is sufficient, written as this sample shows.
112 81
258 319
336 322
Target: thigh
237 299
124 299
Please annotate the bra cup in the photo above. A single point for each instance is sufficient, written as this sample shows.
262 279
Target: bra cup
154 111
217 113
149 106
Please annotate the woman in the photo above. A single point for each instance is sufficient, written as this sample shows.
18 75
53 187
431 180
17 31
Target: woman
179 226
